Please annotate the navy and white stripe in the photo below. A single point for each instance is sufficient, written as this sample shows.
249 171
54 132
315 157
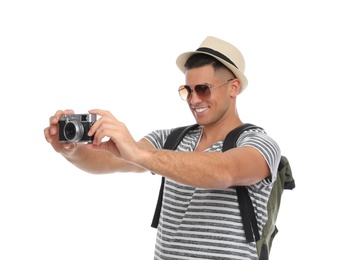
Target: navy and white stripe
200 223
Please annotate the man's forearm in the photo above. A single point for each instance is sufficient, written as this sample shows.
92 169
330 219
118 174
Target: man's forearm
199 169
98 161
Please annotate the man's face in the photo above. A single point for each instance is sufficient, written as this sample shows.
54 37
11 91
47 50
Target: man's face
208 109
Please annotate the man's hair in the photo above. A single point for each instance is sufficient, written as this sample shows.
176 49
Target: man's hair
199 60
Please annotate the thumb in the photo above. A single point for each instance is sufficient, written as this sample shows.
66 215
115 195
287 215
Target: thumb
100 146
70 147
108 146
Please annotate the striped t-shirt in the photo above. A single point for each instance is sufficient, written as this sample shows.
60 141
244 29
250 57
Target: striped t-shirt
198 223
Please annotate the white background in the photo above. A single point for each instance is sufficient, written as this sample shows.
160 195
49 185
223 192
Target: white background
120 56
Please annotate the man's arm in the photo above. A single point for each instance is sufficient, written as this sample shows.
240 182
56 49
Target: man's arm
99 161
238 166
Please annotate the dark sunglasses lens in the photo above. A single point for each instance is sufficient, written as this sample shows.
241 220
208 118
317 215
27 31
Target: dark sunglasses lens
184 92
202 90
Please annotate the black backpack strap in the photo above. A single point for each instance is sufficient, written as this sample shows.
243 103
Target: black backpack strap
157 214
247 212
173 139
231 139
250 224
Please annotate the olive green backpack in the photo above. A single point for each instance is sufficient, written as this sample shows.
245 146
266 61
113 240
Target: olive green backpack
284 181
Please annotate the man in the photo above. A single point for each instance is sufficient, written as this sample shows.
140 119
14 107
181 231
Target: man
200 215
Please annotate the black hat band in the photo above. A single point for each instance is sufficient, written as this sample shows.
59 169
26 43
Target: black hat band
216 53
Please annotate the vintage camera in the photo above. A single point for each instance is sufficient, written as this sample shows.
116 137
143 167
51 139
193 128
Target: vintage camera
74 128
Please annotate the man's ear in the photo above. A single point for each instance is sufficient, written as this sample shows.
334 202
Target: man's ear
235 87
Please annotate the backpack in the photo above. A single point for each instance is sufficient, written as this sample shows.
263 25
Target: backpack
284 181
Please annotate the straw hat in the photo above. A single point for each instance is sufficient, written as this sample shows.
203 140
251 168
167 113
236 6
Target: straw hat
223 51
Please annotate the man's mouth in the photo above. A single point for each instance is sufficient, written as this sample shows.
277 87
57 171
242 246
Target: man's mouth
200 109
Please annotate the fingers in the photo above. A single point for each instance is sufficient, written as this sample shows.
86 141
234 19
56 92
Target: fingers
47 135
52 130
106 117
106 129
100 112
106 126
55 118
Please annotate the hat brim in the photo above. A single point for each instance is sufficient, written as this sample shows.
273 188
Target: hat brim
182 59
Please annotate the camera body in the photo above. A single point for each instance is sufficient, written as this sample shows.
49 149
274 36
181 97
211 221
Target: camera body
73 128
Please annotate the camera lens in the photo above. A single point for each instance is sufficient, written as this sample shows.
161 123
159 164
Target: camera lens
73 131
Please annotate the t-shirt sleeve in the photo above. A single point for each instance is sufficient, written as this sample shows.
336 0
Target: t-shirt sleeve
157 138
270 150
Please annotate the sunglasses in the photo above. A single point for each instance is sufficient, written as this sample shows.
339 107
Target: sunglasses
202 90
